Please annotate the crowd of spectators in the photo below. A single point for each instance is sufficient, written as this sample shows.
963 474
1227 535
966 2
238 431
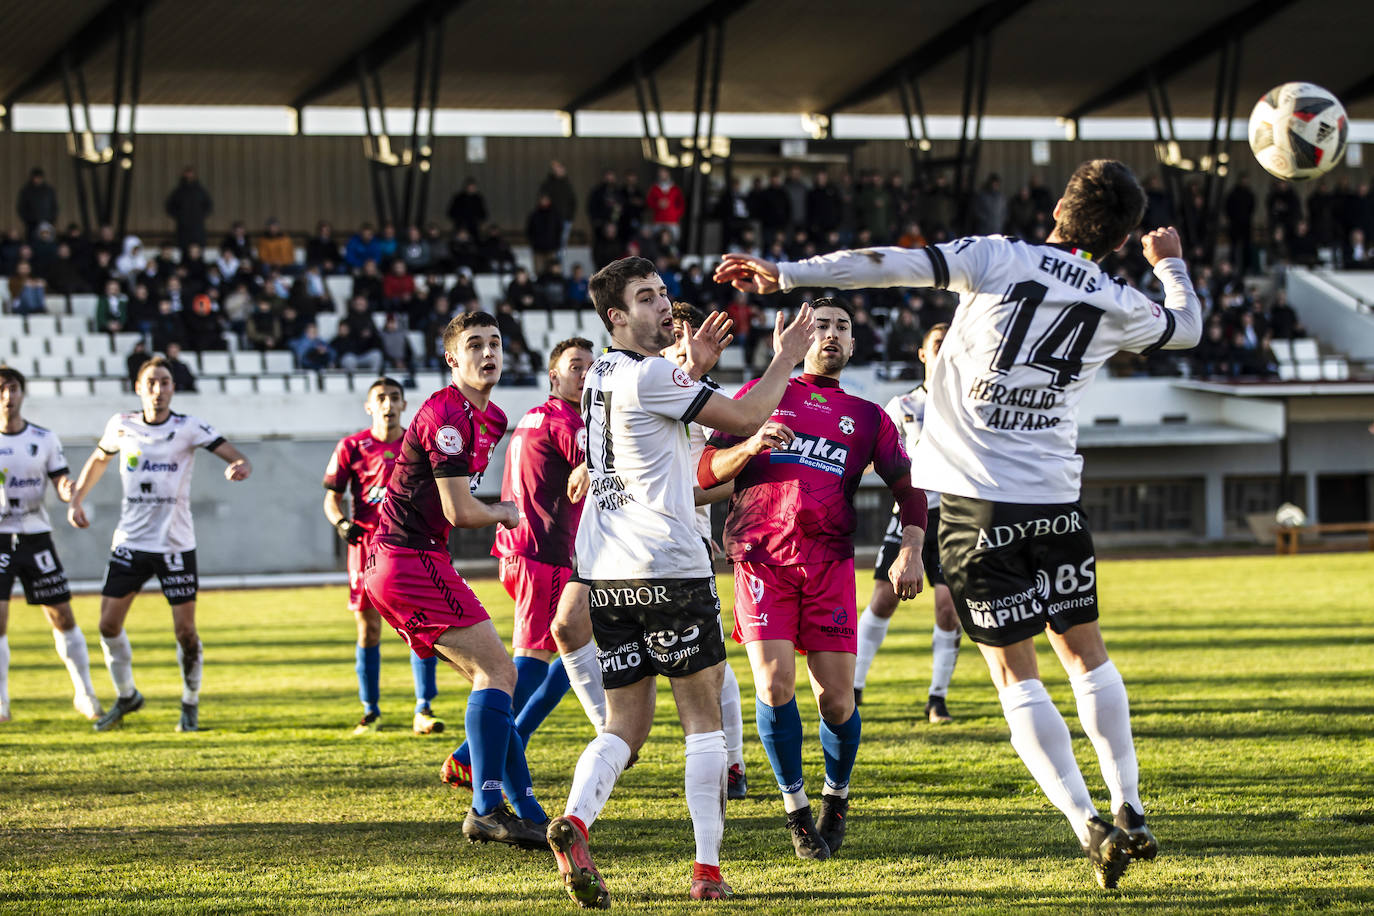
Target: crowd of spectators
257 292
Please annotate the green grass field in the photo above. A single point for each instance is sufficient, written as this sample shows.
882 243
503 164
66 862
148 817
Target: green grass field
1252 687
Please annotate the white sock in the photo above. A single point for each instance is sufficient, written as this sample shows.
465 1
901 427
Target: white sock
190 673
4 675
944 654
795 801
1105 714
119 658
71 648
597 771
706 774
872 632
584 674
1041 737
732 718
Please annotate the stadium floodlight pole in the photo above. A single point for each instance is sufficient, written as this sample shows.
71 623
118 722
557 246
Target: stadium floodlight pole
74 148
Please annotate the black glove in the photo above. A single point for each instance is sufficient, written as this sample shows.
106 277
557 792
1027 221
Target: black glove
350 530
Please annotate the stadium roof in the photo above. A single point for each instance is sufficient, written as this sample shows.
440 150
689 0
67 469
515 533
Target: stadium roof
1048 57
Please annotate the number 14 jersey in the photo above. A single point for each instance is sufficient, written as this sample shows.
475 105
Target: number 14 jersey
1034 324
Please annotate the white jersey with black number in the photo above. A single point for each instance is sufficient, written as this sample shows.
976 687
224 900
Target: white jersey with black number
28 460
640 517
697 437
1034 324
155 470
908 411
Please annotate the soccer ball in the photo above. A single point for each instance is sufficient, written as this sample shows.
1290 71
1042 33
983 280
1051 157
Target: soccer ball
1297 131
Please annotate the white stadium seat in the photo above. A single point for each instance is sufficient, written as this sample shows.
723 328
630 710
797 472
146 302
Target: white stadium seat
273 384
64 346
51 366
122 344
417 344
278 362
327 324
301 383
93 366
107 386
83 305
1305 350
336 383
41 325
42 388
489 288
247 362
26 347
215 362
1309 372
73 325
1335 369
239 384
564 325
1283 350
340 289
1288 372
11 327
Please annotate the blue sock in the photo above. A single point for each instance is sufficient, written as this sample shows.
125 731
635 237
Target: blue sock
543 701
841 746
780 732
368 664
489 726
422 672
529 674
518 785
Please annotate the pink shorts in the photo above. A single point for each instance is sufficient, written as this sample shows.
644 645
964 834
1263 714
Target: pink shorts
419 594
812 605
535 587
357 559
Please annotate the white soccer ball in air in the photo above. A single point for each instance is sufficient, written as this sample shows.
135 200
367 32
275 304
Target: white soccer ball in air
1290 516
1298 131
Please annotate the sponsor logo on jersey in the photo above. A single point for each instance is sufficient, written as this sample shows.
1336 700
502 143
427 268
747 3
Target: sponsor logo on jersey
374 495
388 455
448 440
9 451
992 613
847 425
19 483
629 596
682 379
841 616
160 467
131 459
146 486
45 562
1002 535
994 392
669 646
626 657
815 452
582 439
4 475
33 449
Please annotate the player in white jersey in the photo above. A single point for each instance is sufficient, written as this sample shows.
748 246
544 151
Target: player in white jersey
908 412
154 537
654 606
30 456
1034 325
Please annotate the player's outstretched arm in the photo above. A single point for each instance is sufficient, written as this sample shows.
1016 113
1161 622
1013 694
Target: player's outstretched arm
744 415
713 495
1164 251
348 529
706 343
65 486
863 269
463 510
239 467
91 471
719 465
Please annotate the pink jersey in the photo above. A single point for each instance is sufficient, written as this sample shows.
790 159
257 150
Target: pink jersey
362 463
545 446
796 505
449 437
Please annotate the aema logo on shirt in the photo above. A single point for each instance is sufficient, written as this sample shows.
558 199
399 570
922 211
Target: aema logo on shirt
816 452
131 459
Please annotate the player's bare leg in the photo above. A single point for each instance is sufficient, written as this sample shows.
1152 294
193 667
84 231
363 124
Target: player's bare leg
367 658
841 729
872 630
71 648
4 661
944 654
114 643
498 756
572 631
1105 714
1041 738
780 732
189 657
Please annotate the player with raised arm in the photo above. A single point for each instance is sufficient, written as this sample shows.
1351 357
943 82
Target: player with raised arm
363 463
1035 324
790 533
537 556
30 456
155 537
409 575
654 607
908 412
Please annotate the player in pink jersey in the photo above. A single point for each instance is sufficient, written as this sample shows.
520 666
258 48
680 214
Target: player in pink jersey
409 575
362 462
790 533
537 556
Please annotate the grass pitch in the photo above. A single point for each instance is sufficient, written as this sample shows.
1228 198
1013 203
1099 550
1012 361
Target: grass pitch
1252 691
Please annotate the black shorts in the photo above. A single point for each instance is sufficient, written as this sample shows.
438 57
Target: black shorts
32 558
129 569
645 627
1014 569
930 550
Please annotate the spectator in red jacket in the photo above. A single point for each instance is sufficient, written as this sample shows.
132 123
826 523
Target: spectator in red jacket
398 288
665 203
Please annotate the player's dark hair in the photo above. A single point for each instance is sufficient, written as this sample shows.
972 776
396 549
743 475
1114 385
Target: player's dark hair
572 343
834 302
607 285
156 362
464 321
942 327
1102 203
694 315
11 374
385 381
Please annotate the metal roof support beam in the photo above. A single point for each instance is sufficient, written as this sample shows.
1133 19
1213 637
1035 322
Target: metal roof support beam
656 54
1207 42
932 52
78 47
380 50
